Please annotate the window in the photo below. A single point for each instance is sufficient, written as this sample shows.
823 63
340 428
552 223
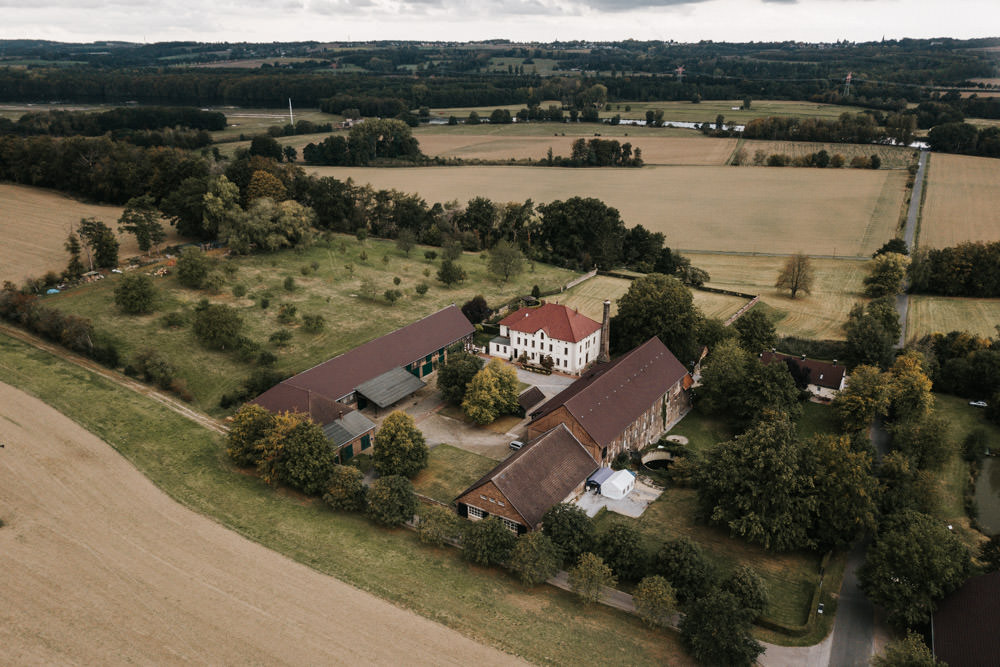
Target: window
512 526
475 512
482 496
566 350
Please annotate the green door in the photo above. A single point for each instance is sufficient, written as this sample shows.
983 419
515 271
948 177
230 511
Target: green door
366 442
427 369
347 453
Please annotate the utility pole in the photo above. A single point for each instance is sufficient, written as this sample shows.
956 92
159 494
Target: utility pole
847 85
291 118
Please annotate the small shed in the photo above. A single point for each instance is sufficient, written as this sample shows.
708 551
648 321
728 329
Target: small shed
618 485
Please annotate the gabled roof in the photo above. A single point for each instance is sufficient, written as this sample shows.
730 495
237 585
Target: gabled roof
965 623
348 427
821 373
338 377
609 397
390 387
541 474
287 398
530 397
557 321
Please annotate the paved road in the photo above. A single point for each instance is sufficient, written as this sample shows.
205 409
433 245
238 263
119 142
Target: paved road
854 629
909 236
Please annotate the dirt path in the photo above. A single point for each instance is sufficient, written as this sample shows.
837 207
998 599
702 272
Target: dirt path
101 567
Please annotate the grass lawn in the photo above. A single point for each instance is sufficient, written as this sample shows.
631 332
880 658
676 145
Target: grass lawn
816 418
331 290
702 431
542 625
450 471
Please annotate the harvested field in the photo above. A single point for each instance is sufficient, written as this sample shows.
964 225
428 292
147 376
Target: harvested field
819 211
131 576
836 289
963 201
701 151
941 314
35 224
893 157
719 306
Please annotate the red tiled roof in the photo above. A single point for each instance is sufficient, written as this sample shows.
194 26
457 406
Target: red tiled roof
338 377
541 474
609 397
821 373
965 624
556 320
287 398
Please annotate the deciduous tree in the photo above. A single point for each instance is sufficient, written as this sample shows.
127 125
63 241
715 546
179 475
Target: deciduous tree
454 376
684 565
249 425
843 487
797 275
887 274
570 529
748 588
400 448
506 261
655 601
865 397
101 242
193 267
345 489
142 219
391 501
717 631
437 525
217 326
756 331
589 577
535 558
657 305
450 273
492 392
488 542
135 293
75 267
621 548
911 651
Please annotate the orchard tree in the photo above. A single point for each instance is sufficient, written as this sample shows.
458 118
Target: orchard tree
914 561
655 601
505 261
400 448
391 501
657 305
450 273
570 529
488 542
589 577
345 489
717 630
406 240
797 275
135 294
142 219
491 393
535 558
455 374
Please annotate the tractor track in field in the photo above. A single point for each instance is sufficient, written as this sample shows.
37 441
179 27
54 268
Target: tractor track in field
160 397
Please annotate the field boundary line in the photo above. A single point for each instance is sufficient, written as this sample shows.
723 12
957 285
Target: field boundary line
752 253
114 376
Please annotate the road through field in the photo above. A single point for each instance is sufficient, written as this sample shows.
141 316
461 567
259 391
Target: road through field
101 567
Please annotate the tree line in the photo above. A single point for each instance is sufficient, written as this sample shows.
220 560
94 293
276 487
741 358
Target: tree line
969 269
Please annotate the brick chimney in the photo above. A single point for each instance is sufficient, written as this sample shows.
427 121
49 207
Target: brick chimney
604 357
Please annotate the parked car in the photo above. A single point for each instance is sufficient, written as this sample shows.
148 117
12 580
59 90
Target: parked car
978 404
516 444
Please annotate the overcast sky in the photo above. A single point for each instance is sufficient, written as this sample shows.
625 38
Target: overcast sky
520 20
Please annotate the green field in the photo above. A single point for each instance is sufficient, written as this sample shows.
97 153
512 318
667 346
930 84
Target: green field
706 110
330 291
251 121
543 625
450 471
706 208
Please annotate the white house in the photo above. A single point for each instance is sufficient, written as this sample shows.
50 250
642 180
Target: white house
572 340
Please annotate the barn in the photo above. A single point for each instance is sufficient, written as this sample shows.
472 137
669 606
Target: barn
621 405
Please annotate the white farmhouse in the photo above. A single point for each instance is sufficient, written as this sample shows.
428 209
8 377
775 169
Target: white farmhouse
571 339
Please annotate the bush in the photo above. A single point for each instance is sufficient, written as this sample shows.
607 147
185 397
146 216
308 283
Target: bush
588 577
430 255
391 501
264 302
281 337
239 290
173 320
289 284
535 558
345 489
192 268
218 327
313 323
287 313
488 542
214 282
152 367
655 601
437 525
266 358
135 294
421 289
976 444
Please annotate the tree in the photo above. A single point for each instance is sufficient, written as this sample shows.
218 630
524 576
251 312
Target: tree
535 558
382 138
621 548
505 261
989 553
142 219
589 577
716 630
266 146
476 310
570 529
265 185
657 305
101 243
75 267
488 542
756 331
249 426
492 392
737 386
391 501
844 489
863 399
748 588
193 267
218 327
268 226
308 461
903 487
655 601
887 275
755 485
581 232
910 396
406 240
895 245
345 489
450 273
437 525
684 565
454 375
872 332
924 441
135 293
400 448
797 275
914 562
910 651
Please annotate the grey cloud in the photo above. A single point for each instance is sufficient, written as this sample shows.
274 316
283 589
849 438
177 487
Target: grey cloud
629 5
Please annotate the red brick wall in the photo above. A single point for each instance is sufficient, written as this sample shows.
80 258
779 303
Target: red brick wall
492 493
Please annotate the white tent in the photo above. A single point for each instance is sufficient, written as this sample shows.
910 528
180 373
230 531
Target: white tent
618 485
